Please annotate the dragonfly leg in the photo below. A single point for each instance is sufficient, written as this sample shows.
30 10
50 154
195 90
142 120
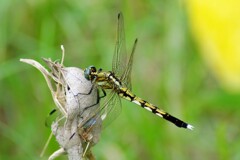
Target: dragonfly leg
98 99
104 94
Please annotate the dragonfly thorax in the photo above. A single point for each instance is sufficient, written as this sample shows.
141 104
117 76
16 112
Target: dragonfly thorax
102 78
107 80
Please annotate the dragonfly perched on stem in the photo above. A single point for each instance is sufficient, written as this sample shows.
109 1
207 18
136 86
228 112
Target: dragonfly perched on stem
118 81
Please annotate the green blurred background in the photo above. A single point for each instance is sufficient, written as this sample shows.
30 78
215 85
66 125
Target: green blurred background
168 71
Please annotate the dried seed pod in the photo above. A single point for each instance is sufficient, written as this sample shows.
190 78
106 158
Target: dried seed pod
77 99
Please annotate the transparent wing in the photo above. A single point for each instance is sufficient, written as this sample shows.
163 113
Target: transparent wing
120 66
108 112
126 77
111 109
111 106
120 53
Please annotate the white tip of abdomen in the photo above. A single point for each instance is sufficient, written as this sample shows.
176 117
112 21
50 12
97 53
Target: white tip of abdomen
190 127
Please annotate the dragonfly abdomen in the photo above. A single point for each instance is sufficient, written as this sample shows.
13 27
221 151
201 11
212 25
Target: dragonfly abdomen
128 95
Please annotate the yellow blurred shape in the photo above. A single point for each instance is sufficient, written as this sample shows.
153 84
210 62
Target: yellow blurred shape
216 27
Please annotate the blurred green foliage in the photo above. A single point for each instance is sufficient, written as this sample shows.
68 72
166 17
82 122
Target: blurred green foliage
167 71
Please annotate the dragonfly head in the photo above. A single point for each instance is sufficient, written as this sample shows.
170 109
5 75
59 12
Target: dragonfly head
89 73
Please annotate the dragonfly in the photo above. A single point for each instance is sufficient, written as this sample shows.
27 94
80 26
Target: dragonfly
118 81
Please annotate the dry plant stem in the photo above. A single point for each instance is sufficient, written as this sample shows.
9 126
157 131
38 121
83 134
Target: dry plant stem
77 99
56 154
46 145
48 76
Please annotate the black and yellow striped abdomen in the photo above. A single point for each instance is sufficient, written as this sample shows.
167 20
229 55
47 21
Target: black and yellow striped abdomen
128 95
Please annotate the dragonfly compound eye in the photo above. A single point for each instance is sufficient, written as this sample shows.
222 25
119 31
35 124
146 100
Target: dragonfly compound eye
88 72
